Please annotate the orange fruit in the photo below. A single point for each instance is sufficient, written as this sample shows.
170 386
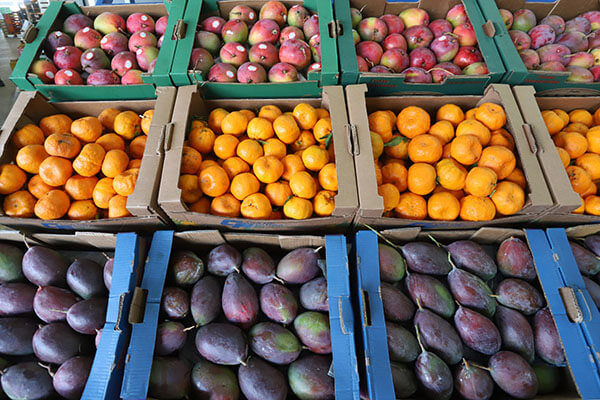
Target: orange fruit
425 148
576 127
470 114
305 115
411 206
451 113
597 117
396 174
291 164
55 171
115 162
481 181
201 206
89 161
491 115
580 179
248 113
29 134
447 150
443 130
225 146
592 189
582 116
107 118
268 169
459 194
475 128
127 125
502 137
274 147
421 178
12 178
52 205
377 145
443 206
86 129
324 203
450 174
19 204
82 210
190 188
249 150
298 208
235 166
243 185
278 192
286 129
81 187
553 122
390 195
117 207
499 159
591 163
111 141
103 192
234 123
30 157
322 130
137 147
208 163
315 158
565 158
37 187
574 143
378 175
225 206
146 121
474 208
466 149
563 115
62 145
124 183
256 206
323 113
214 181
58 123
413 121
134 164
328 177
191 159
382 124
581 208
215 118
593 139
592 205
269 112
517 177
304 141
260 129
202 139
303 185
508 198
397 147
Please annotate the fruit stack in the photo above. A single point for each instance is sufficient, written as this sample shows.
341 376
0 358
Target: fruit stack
587 257
552 44
459 306
276 44
52 307
108 50
254 325
266 166
80 169
423 51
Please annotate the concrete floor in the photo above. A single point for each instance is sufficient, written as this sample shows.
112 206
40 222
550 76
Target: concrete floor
8 94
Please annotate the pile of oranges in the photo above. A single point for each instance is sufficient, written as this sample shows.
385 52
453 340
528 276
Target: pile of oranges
577 138
264 165
462 165
82 169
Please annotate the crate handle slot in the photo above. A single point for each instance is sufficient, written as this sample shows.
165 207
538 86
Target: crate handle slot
138 306
335 29
352 144
489 29
569 299
30 34
364 298
530 139
179 30
166 137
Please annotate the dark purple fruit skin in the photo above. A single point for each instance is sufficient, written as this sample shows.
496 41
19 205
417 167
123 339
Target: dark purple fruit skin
85 278
587 262
27 380
70 379
426 258
88 316
473 383
515 259
223 344
51 303
429 292
397 306
278 303
239 300
169 378
469 290
516 332
513 374
16 298
439 336
223 260
520 295
206 300
45 267
402 344
260 381
594 289
405 382
16 334
212 381
392 266
476 331
107 272
185 268
170 337
593 243
274 343
313 295
175 303
56 342
309 379
434 376
299 265
312 328
547 340
11 259
258 265
470 256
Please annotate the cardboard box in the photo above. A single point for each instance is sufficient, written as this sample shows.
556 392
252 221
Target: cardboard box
31 107
310 86
547 83
52 20
580 375
145 315
190 103
538 199
556 176
394 84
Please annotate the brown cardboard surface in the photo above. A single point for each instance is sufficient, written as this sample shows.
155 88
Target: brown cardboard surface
31 107
581 231
565 8
211 238
97 240
538 201
190 104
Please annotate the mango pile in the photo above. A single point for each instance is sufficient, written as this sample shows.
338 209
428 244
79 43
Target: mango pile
587 255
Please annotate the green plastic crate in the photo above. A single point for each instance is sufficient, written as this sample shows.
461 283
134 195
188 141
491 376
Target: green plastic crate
394 84
311 87
53 19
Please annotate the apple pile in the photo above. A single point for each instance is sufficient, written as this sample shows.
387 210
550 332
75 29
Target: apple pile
555 45
410 44
274 45
108 50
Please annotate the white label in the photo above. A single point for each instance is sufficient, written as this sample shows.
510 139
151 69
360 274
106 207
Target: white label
143 34
241 49
60 48
49 74
252 68
216 24
443 37
262 46
292 35
144 18
138 52
229 74
316 66
104 40
251 15
58 33
86 29
229 32
128 64
69 73
89 56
